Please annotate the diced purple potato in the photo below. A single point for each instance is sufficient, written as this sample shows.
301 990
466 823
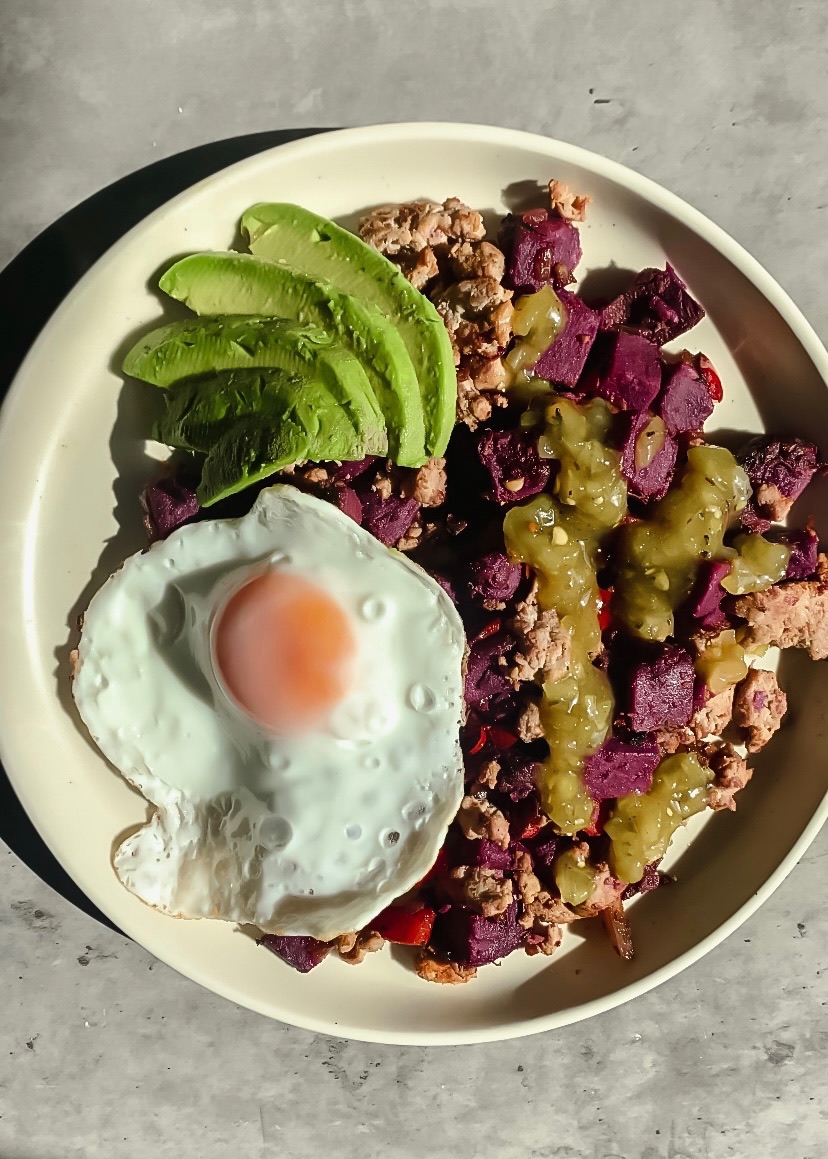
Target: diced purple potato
705 604
564 360
473 940
620 767
648 455
543 850
494 577
714 621
631 377
346 472
656 305
515 468
388 519
169 504
661 690
701 694
302 953
517 778
685 403
483 853
347 500
804 545
779 470
535 244
650 880
447 586
485 678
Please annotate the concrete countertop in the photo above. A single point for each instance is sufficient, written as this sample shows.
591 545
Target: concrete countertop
105 1052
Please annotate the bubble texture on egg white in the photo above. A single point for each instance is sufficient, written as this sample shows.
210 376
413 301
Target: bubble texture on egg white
306 834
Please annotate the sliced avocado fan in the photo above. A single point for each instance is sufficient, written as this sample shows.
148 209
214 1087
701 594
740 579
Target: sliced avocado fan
182 349
231 283
286 233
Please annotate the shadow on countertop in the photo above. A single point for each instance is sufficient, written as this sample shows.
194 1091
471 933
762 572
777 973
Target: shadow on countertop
32 286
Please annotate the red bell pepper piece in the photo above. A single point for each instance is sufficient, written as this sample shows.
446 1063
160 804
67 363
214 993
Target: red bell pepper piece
711 378
531 828
403 926
480 742
598 820
501 738
604 614
491 629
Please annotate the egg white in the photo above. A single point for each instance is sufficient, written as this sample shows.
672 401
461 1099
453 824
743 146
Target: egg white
310 834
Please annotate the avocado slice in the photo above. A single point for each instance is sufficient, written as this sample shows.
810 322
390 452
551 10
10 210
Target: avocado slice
248 451
319 248
198 411
231 283
182 349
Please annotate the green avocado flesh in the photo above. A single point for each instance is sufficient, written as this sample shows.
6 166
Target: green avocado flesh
199 411
304 241
231 283
248 451
183 349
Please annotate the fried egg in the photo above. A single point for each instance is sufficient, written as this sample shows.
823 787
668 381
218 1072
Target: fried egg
287 693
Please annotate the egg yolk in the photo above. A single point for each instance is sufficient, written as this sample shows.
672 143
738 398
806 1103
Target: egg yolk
284 651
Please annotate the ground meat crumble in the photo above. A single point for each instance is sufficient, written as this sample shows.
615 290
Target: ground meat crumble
481 819
793 615
543 650
758 708
442 251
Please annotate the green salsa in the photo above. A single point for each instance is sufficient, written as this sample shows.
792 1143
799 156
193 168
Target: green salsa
641 825
538 320
756 564
561 536
657 558
574 876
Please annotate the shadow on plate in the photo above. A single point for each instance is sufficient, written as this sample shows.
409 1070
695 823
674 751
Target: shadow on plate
32 286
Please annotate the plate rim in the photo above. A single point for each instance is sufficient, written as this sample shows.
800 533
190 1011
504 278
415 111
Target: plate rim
671 204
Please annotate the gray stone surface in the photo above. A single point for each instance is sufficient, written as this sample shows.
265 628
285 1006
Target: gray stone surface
104 1052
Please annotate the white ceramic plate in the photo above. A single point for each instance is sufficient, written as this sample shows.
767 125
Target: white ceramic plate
72 464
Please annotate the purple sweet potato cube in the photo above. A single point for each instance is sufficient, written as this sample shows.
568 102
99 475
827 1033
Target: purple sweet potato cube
564 360
447 585
650 880
347 471
303 953
631 377
517 778
655 305
347 500
685 403
779 470
494 577
516 469
701 694
540 250
387 519
543 850
168 504
484 853
620 767
804 546
648 455
705 603
661 690
485 677
474 940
